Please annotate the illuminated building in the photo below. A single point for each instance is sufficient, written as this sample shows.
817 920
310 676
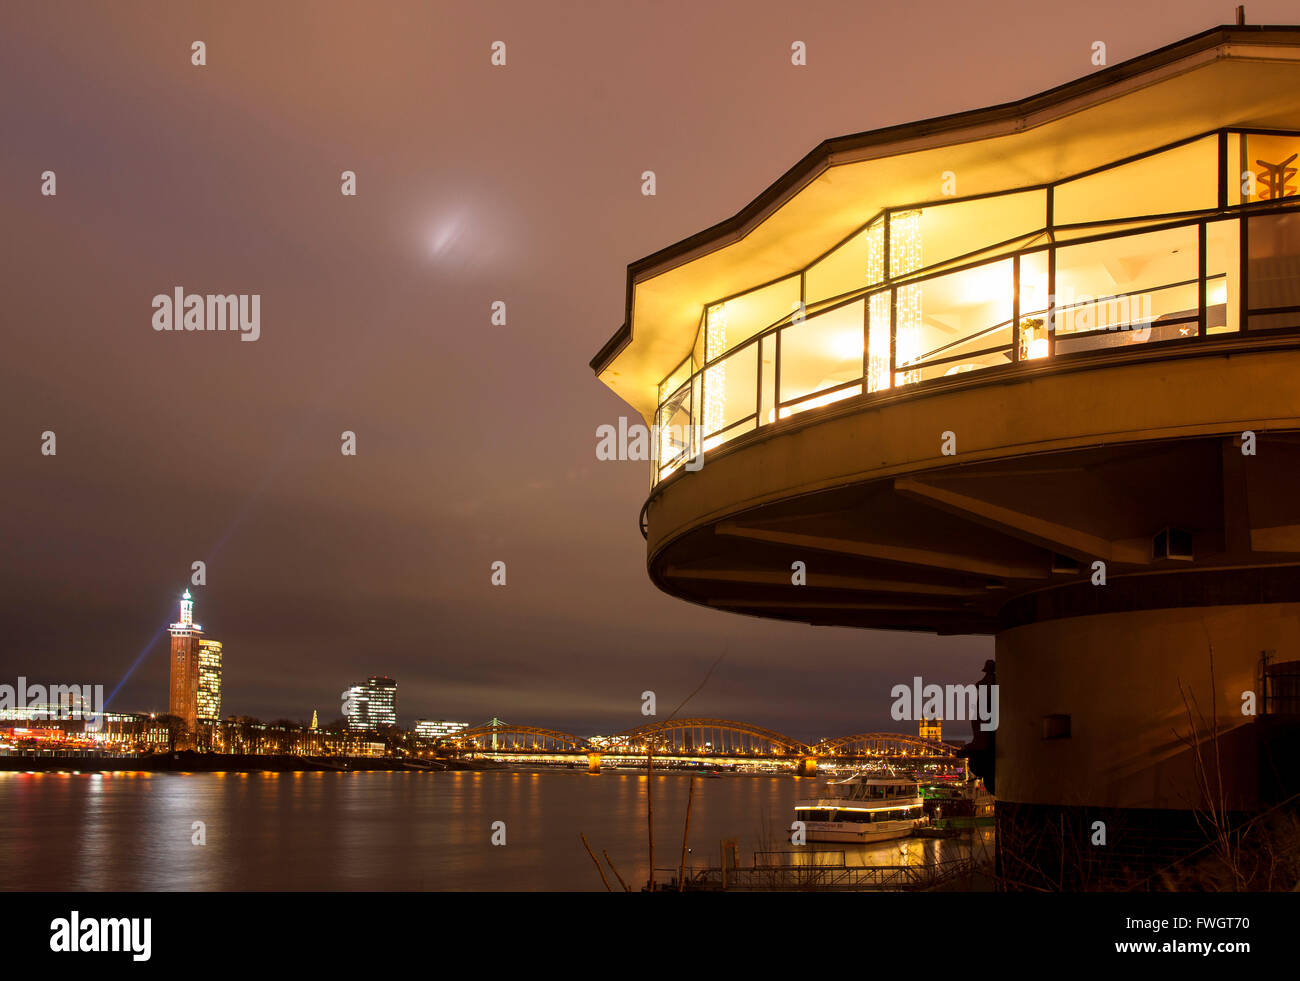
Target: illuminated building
209 701
430 729
931 729
114 732
186 634
354 701
372 704
1027 372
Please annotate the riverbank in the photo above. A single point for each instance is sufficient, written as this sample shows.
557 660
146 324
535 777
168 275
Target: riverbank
191 762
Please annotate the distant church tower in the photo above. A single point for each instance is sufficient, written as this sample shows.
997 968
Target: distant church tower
313 718
186 634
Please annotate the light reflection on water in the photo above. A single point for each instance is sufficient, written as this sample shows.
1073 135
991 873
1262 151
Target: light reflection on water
387 830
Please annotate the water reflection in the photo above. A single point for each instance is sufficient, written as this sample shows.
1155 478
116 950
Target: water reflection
389 831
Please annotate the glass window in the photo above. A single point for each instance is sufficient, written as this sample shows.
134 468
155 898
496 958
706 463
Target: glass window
879 341
1182 179
674 433
858 263
822 352
926 372
729 324
1034 342
1036 239
1268 166
675 380
1063 236
826 398
730 389
939 233
767 388
1128 290
953 319
1234 171
716 440
1274 267
1222 276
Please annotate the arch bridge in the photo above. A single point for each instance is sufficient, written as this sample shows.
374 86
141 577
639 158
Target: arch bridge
707 737
505 737
699 739
884 745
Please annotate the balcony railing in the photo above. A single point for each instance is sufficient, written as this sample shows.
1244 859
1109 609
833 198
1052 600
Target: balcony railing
1054 292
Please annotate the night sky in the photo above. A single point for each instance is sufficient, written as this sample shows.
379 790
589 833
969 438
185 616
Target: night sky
475 443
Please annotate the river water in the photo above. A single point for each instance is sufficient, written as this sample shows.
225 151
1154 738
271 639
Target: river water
389 830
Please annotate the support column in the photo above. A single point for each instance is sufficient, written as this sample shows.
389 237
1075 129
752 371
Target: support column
1107 736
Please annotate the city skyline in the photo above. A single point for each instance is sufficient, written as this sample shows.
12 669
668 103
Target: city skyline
387 713
425 723
266 709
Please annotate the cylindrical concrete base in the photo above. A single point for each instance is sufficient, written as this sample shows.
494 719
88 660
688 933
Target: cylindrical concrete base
1108 710
1125 739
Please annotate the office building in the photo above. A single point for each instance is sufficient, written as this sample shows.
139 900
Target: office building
372 704
439 729
209 697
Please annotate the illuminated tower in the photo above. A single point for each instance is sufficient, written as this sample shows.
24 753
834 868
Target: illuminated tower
186 635
209 698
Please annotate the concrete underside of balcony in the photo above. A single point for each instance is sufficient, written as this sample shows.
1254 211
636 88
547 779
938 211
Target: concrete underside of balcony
1057 465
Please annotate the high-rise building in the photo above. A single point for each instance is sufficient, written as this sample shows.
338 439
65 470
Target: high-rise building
382 702
183 701
209 701
932 729
354 706
370 705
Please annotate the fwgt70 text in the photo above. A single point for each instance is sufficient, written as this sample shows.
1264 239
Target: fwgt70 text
1223 923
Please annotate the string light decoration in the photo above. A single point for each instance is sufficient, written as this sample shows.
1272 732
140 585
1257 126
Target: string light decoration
905 257
715 376
878 337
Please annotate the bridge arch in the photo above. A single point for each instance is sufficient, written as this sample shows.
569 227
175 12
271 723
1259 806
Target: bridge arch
504 737
706 736
883 744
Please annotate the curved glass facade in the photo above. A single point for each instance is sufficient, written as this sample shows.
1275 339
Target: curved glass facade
1194 239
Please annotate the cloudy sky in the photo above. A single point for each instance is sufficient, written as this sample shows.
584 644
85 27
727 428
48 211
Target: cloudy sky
475 443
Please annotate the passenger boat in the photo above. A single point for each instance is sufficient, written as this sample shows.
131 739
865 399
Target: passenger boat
864 808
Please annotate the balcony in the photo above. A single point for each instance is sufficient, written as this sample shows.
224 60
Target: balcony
1000 283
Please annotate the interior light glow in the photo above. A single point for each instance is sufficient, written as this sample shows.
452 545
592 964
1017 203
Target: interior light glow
820 400
905 257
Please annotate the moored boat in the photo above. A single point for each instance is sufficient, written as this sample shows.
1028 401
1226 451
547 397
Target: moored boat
864 808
